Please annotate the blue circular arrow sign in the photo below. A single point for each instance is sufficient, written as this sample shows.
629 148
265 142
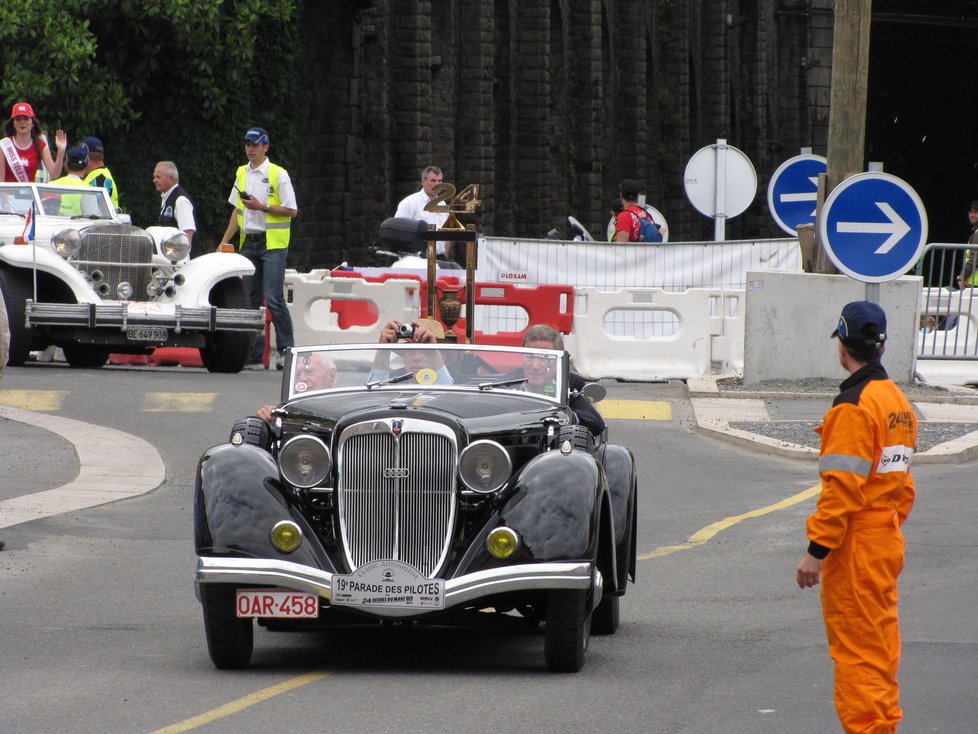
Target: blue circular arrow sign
793 191
873 227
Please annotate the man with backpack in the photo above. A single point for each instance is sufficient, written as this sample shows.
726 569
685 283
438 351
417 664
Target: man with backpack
633 223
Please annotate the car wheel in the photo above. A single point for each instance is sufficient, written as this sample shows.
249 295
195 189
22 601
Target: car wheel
227 351
567 629
85 357
16 290
607 616
230 640
252 431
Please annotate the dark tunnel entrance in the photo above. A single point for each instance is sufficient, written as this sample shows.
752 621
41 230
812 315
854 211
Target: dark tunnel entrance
922 107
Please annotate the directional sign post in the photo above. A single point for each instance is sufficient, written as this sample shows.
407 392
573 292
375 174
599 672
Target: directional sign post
873 227
793 191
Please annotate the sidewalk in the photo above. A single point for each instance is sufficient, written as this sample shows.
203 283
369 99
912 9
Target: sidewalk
777 417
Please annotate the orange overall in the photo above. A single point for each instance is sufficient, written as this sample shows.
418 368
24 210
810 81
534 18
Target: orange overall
868 439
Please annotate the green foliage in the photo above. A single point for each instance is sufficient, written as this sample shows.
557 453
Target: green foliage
176 80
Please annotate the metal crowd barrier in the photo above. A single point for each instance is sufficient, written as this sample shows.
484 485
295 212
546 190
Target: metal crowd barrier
948 316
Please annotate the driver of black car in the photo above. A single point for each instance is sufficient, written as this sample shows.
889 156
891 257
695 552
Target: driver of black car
538 372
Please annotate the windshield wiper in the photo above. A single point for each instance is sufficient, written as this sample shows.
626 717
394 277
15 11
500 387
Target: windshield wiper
22 216
504 383
392 380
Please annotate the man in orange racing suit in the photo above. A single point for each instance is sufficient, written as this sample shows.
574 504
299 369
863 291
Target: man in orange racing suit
856 545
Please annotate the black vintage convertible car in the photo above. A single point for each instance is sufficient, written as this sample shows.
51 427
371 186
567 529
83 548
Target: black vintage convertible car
416 482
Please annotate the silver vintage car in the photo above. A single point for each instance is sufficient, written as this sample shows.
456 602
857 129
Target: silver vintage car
75 273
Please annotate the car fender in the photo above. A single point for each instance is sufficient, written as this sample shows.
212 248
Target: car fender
556 506
202 273
238 498
48 261
619 467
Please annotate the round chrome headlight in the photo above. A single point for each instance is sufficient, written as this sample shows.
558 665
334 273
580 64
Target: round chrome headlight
484 466
175 247
66 242
304 461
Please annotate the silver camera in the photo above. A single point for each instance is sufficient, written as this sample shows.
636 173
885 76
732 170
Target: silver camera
405 331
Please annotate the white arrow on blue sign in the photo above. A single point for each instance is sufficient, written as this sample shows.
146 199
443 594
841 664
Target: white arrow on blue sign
793 191
873 227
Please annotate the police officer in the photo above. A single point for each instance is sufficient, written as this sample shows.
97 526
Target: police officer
98 174
264 205
856 547
76 159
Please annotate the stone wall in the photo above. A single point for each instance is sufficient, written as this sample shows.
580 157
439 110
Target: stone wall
547 104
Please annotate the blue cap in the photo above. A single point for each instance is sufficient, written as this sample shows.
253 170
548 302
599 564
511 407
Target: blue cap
94 144
77 157
860 321
257 135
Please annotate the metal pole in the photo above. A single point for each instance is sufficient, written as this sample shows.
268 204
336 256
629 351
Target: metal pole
720 196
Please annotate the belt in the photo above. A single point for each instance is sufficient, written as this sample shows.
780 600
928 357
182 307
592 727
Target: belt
254 237
882 518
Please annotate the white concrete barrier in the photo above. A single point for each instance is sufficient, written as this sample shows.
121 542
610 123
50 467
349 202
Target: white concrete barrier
310 297
673 334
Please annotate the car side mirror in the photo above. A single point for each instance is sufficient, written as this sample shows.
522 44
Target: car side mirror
594 392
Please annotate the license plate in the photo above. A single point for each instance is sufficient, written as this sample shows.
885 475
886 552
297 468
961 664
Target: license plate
147 333
276 603
388 584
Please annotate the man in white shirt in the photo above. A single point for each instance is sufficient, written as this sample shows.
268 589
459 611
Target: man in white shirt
176 209
413 207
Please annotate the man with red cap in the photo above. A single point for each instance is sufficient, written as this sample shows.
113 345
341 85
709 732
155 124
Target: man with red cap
24 148
856 547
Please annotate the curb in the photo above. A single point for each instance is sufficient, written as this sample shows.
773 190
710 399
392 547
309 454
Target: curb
712 409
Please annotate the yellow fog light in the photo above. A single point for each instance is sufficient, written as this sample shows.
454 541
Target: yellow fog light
502 542
286 536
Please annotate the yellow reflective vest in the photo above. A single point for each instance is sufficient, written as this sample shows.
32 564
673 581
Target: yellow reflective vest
278 229
70 203
102 177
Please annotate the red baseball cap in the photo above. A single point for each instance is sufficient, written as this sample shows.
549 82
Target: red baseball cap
22 108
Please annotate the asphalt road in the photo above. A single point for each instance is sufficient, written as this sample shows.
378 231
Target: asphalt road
101 631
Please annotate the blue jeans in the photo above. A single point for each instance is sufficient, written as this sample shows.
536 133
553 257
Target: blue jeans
267 286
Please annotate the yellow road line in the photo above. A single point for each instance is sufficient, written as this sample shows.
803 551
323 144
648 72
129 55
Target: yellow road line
244 702
39 400
179 402
702 536
635 410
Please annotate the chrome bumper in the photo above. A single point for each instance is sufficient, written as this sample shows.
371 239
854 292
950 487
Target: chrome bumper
458 591
117 315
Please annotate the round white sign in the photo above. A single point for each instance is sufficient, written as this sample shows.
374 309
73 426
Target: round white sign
739 180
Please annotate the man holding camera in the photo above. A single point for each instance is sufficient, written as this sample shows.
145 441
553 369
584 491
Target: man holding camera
264 206
422 331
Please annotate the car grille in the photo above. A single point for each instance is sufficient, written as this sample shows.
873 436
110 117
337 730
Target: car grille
121 253
397 492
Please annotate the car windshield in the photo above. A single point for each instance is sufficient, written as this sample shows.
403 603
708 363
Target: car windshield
72 202
427 366
77 202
